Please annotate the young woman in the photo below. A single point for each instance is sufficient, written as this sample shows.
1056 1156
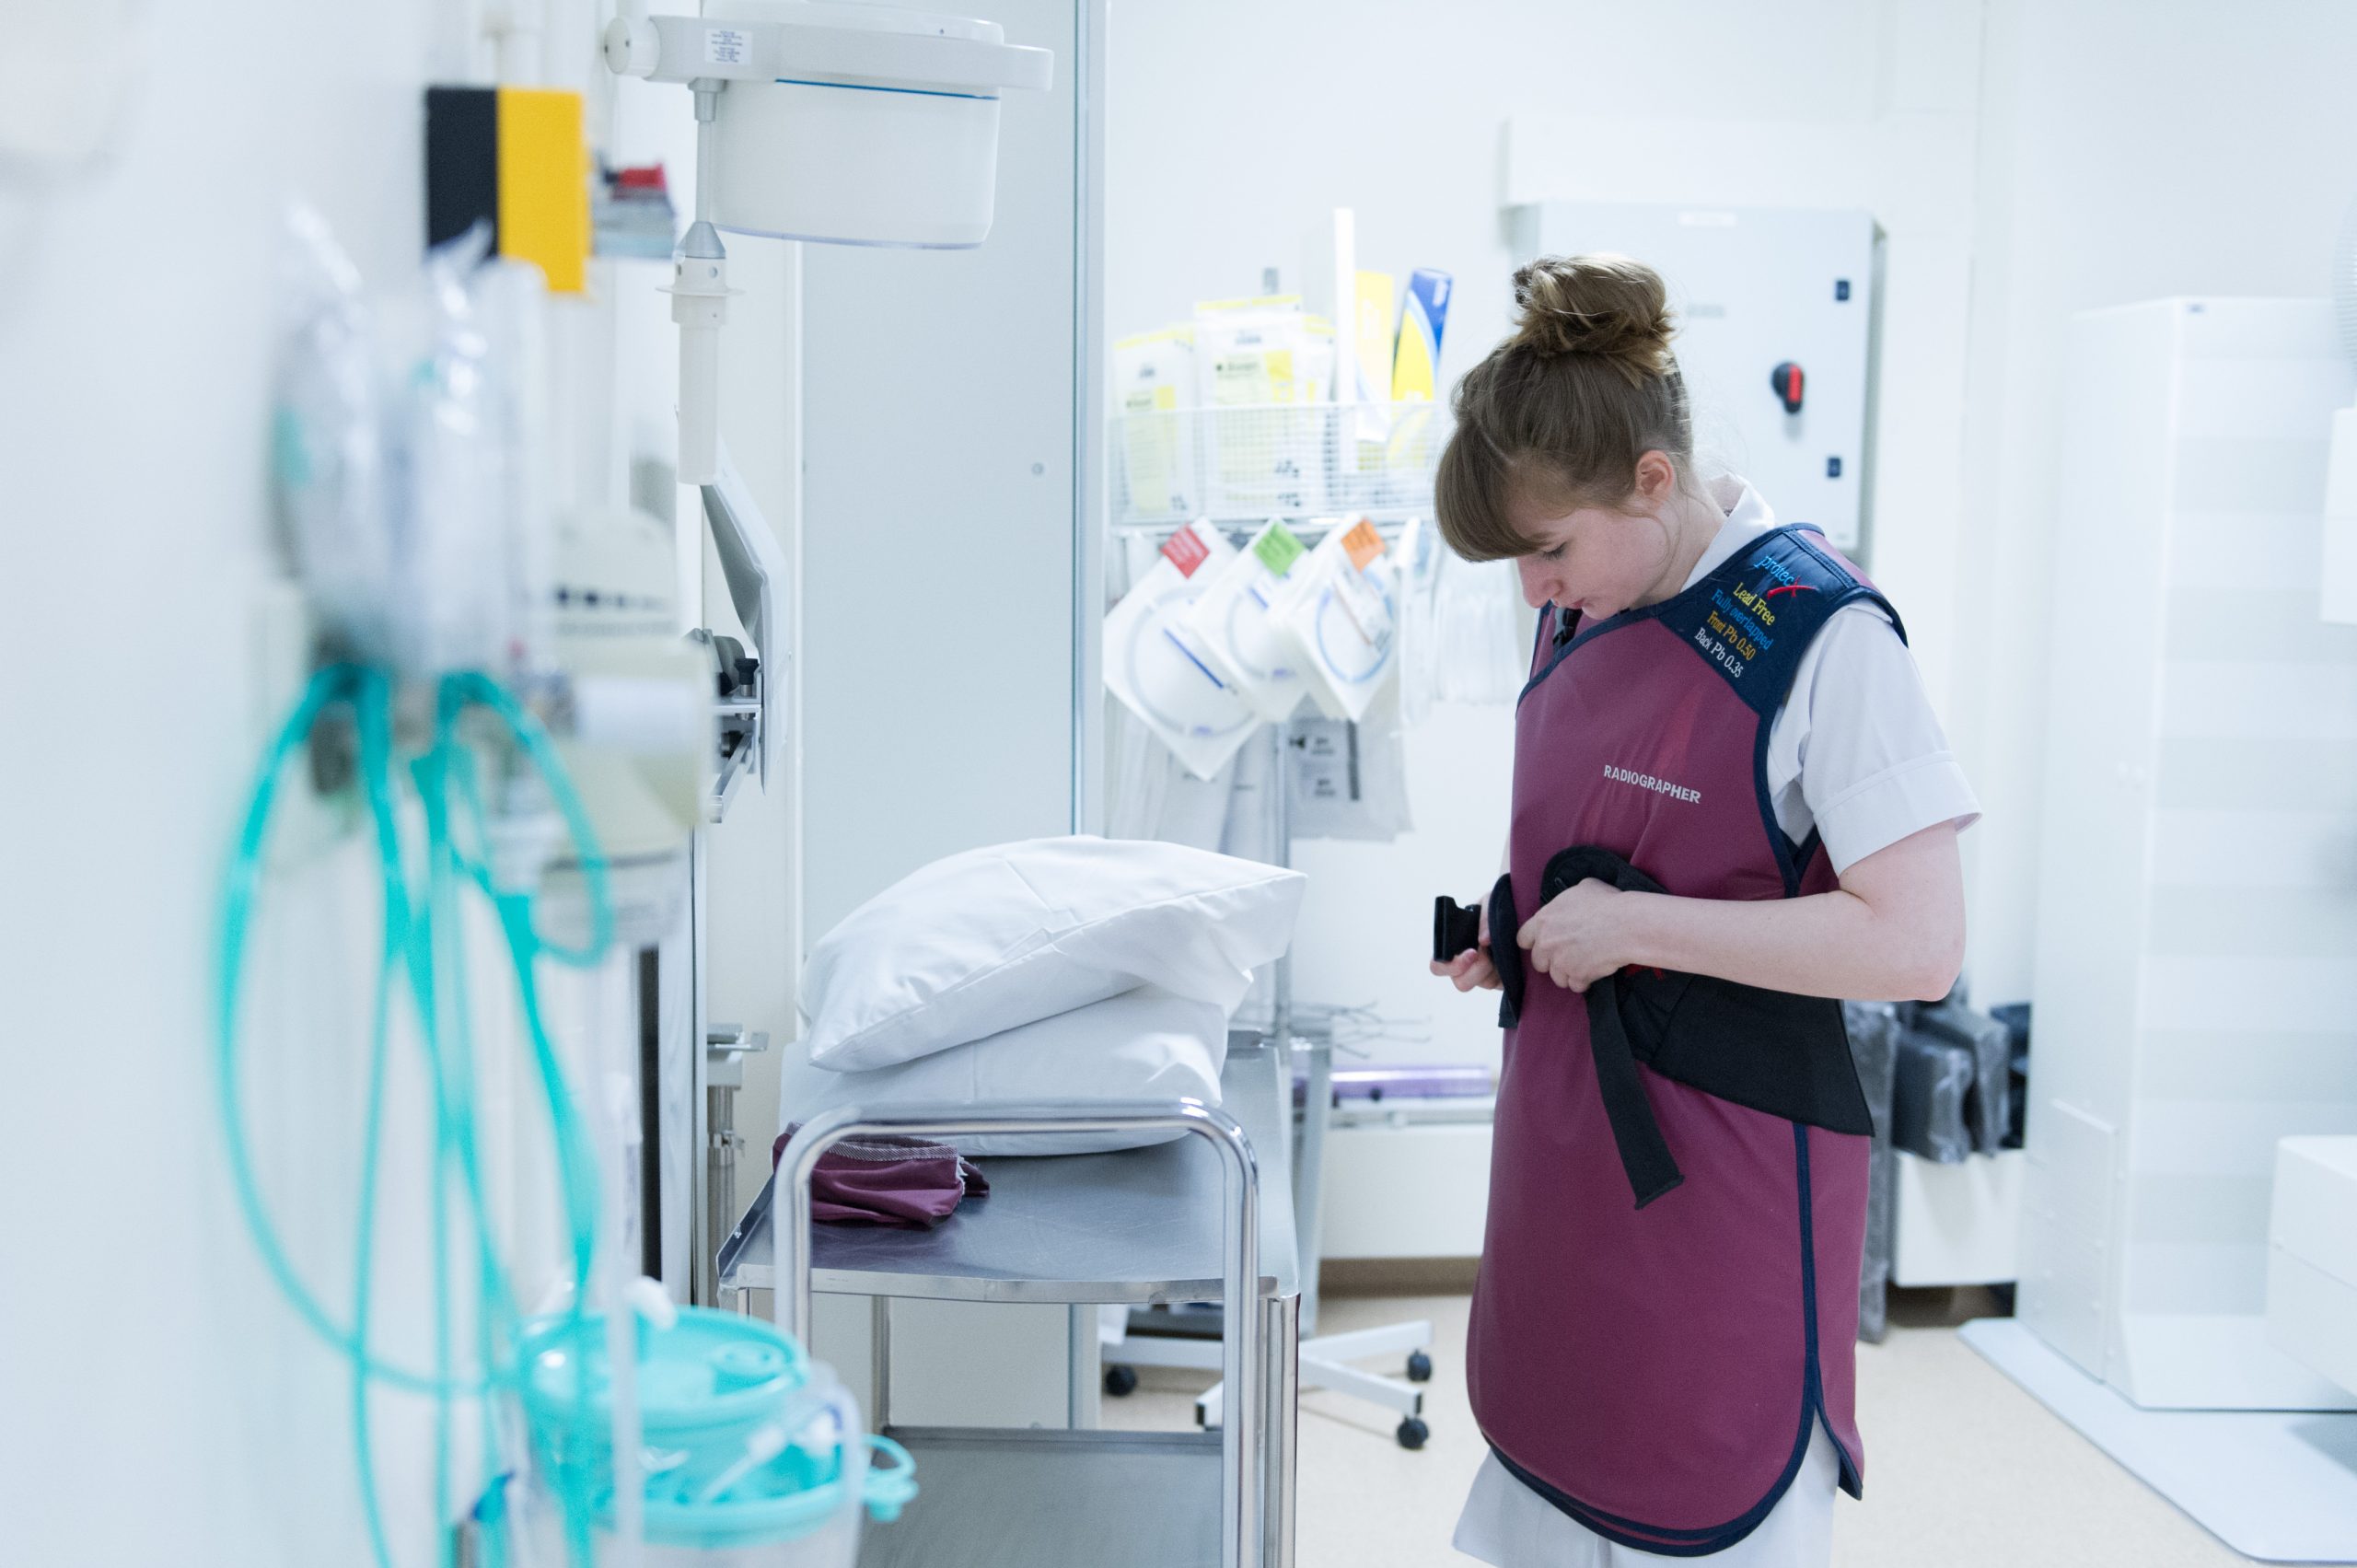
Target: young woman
1731 802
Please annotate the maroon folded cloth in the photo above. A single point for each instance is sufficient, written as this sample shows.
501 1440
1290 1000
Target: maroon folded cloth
909 1182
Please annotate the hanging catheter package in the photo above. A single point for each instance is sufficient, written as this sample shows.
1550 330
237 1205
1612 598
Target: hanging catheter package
1158 668
1233 623
1417 555
1338 610
1479 639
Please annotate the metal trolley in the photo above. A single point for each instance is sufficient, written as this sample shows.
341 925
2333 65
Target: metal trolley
1208 1217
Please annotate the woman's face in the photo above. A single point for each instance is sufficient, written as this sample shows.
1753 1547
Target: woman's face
1599 560
1595 559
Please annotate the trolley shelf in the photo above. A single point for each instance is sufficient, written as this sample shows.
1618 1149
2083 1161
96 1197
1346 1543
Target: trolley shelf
1023 1499
1140 1226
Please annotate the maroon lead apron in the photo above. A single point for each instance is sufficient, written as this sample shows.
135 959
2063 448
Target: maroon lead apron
1655 1371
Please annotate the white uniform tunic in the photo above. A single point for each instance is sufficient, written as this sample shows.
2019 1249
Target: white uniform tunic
1857 755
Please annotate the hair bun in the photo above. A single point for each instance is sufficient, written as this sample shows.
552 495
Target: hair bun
1613 307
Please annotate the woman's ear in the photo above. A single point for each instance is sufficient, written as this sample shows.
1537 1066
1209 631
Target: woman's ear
1656 478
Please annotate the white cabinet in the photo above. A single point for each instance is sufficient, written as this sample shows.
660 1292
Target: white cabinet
2197 922
2312 1256
1756 288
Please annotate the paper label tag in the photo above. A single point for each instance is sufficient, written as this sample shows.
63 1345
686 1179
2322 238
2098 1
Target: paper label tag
1186 551
727 46
1361 544
1362 601
1277 548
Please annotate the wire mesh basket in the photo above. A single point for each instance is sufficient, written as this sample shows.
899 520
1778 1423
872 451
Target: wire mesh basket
1276 460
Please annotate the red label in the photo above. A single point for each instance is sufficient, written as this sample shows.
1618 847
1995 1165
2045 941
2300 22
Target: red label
1186 551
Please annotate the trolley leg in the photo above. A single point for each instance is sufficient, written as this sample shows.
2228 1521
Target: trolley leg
879 1354
1280 1338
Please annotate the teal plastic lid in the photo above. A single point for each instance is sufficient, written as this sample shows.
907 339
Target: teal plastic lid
709 1369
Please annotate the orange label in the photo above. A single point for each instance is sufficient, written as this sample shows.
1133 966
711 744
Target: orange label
1361 544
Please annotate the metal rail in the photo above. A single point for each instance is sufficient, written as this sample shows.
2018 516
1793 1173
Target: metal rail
1240 1524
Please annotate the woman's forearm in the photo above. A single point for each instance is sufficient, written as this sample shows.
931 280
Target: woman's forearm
1824 944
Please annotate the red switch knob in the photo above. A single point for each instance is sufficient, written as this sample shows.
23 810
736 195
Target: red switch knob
1786 380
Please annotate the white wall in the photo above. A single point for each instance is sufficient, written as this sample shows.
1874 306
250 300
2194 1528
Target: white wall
2131 152
162 1404
1235 125
2026 160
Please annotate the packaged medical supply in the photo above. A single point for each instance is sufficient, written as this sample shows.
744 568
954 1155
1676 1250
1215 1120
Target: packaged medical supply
630 214
998 937
1415 371
1339 611
1350 781
1371 330
1415 359
1328 282
1158 668
1481 643
1255 361
1261 350
1144 1044
1231 623
1417 553
1153 384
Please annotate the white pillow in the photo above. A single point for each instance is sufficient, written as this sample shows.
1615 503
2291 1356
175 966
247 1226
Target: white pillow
998 937
1147 1044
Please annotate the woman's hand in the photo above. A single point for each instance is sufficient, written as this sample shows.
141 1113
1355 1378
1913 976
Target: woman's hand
1472 969
1577 938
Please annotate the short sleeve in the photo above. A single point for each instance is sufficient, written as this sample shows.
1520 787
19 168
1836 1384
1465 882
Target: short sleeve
1857 754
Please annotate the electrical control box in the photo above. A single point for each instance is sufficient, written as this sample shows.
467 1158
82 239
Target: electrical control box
1775 312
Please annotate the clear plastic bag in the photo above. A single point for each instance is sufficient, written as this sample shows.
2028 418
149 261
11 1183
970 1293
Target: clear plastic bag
1928 1111
328 457
1989 1108
1875 1029
1477 646
450 555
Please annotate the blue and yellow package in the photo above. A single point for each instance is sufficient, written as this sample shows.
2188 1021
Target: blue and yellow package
1415 358
1415 369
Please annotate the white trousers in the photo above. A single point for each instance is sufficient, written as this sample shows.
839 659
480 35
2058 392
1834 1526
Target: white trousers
1508 1525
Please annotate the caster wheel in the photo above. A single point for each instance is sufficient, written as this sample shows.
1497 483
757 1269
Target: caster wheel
1420 1367
1413 1433
1121 1381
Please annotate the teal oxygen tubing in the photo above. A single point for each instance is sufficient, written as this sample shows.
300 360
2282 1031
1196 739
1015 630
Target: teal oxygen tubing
422 953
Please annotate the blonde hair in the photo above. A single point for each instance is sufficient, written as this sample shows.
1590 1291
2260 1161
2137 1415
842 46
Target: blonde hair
1563 409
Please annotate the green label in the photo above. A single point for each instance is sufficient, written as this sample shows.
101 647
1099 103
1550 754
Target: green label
1277 548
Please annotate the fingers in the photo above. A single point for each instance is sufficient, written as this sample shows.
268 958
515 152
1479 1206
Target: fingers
1557 965
1479 975
1468 971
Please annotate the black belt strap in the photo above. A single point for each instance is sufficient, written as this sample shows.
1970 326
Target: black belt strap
1644 1154
1771 1050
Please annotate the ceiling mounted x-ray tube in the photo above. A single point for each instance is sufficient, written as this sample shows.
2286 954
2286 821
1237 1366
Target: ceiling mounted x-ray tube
847 124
